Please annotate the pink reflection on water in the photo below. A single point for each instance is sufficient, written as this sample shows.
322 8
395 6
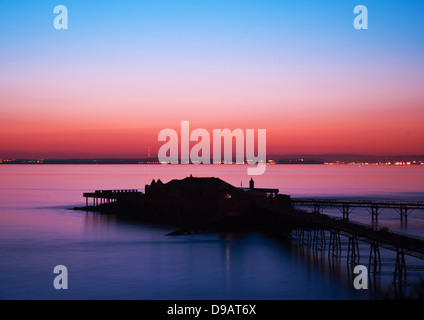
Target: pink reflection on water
63 184
40 186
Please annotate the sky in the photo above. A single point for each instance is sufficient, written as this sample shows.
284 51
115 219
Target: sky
124 70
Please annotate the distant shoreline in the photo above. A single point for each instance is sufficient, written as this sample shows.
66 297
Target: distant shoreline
156 163
133 161
330 159
270 164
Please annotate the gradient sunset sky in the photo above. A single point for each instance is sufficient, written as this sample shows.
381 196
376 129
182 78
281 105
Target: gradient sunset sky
125 70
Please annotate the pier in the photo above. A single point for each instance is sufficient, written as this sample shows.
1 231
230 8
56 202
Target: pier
211 204
346 207
311 227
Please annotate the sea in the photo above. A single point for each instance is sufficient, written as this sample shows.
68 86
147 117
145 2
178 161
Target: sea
108 258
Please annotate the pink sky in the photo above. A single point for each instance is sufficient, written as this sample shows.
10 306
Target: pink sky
93 92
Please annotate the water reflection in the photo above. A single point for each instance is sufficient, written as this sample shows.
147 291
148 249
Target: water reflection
121 260
384 282
97 221
228 237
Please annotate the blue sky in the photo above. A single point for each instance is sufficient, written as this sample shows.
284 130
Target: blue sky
211 62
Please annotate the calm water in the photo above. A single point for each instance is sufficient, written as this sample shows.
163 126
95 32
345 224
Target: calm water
109 259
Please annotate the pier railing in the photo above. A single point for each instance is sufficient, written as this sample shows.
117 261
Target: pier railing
361 203
107 196
116 191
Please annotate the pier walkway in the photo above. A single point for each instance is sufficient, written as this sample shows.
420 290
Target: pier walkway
403 208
